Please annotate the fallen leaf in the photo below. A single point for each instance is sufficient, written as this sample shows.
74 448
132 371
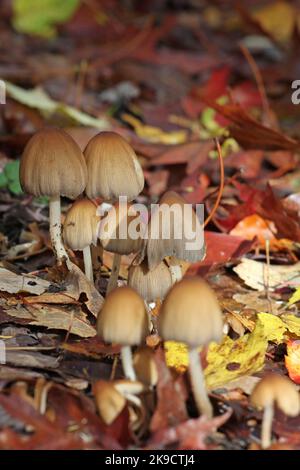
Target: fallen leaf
40 19
190 435
254 274
170 409
278 19
15 283
155 134
292 360
37 98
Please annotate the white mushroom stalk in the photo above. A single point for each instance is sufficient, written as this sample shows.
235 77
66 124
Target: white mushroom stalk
55 229
88 264
266 430
198 384
127 363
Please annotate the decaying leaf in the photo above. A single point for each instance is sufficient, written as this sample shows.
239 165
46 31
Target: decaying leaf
257 275
15 283
37 98
52 316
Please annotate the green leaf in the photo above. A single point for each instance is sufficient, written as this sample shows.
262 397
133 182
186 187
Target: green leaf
39 17
37 98
11 172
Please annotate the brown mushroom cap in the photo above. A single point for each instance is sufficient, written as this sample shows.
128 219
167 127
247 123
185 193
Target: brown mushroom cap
123 318
113 168
81 225
109 401
145 366
52 164
276 389
191 314
159 246
115 224
151 285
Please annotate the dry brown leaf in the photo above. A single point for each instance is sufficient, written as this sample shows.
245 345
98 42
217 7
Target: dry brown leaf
77 284
14 283
50 316
255 274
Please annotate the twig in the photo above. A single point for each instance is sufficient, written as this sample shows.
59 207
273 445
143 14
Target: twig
221 188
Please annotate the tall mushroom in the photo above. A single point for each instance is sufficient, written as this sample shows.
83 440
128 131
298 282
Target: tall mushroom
52 165
191 314
121 232
174 230
81 230
123 320
274 389
113 168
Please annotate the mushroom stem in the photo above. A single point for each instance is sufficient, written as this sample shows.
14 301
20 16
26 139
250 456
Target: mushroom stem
127 364
198 384
55 229
113 280
88 265
266 429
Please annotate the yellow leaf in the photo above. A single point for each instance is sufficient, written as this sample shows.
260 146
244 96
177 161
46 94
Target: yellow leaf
176 356
295 297
274 327
278 19
155 134
232 359
292 323
226 361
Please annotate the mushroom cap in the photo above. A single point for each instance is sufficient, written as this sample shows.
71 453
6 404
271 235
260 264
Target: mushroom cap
276 389
151 285
115 230
191 314
145 366
81 225
52 164
109 401
167 231
113 168
123 318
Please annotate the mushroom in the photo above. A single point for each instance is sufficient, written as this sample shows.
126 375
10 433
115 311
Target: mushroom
145 366
191 314
270 390
113 168
121 232
174 230
52 165
151 285
123 320
81 230
109 401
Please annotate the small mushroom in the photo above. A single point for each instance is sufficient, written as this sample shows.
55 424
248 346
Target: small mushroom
52 165
113 168
123 320
191 314
81 230
145 366
174 230
115 235
109 401
274 389
151 285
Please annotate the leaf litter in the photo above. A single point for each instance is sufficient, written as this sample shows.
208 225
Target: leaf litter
186 88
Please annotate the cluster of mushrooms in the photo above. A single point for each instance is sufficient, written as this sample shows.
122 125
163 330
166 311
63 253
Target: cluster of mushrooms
53 165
